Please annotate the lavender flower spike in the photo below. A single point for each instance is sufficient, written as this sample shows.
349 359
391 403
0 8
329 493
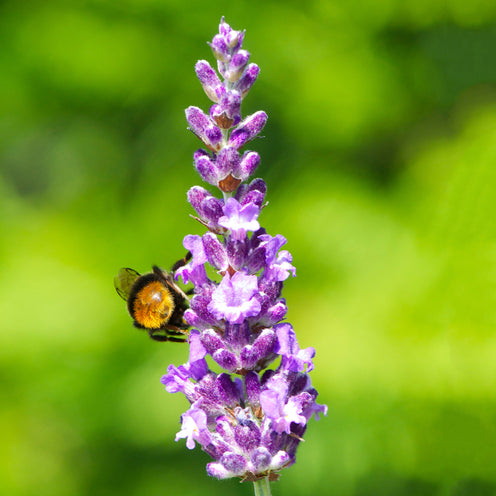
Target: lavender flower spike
249 419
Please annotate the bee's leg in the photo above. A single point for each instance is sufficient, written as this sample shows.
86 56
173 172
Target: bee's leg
174 330
158 337
164 337
181 262
171 332
177 340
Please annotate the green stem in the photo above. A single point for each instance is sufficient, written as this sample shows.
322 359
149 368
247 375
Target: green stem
226 196
262 487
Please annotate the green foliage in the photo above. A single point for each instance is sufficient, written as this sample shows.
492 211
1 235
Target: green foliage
382 116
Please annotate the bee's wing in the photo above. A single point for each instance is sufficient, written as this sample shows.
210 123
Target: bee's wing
124 281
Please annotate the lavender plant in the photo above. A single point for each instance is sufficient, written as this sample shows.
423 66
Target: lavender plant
248 418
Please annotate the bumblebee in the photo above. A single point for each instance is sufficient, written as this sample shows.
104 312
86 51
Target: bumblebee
155 302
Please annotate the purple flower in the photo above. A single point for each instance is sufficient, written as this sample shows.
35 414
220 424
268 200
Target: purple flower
248 418
239 219
193 428
180 379
293 357
194 271
197 351
282 413
278 264
234 299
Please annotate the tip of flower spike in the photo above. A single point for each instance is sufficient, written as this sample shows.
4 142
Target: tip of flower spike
224 28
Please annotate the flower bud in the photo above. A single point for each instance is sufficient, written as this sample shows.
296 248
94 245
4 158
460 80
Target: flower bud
237 65
247 166
212 209
252 193
227 161
209 208
233 38
207 169
248 129
261 459
220 49
204 128
226 359
247 435
228 391
233 463
215 251
211 341
237 252
208 79
247 79
252 383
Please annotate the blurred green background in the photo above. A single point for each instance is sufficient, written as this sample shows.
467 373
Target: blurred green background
380 156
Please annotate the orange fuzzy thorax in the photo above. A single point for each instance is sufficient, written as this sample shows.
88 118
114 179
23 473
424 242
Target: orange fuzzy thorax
153 305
